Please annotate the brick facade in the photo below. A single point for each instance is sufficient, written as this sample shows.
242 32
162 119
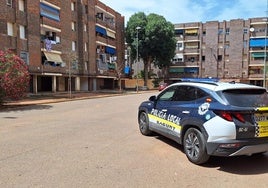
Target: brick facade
67 24
221 49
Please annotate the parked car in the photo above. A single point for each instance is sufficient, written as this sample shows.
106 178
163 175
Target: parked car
209 118
162 86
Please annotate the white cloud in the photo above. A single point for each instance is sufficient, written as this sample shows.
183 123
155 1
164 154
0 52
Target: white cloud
181 11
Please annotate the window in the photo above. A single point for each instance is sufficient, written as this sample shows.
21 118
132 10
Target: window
73 26
73 6
85 46
57 39
10 29
50 35
73 45
188 93
220 31
245 31
86 9
167 95
22 32
246 97
227 31
25 57
86 65
219 57
9 3
22 5
203 58
179 46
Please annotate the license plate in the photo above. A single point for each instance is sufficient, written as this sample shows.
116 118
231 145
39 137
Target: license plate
261 117
262 125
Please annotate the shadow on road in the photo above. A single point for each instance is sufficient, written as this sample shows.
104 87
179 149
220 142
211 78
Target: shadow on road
242 165
7 108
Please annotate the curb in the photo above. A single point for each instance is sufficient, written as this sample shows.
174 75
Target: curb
65 98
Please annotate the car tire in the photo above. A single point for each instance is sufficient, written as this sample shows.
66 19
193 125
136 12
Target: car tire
144 124
194 146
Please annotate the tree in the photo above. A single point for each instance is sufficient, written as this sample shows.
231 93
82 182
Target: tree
156 40
14 76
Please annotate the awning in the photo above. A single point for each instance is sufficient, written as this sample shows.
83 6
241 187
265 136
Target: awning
191 31
53 57
178 56
258 54
110 50
176 69
260 42
191 45
179 31
101 30
191 70
110 34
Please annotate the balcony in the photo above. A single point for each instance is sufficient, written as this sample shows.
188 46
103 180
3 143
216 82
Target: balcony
54 46
191 37
258 62
191 51
186 64
12 42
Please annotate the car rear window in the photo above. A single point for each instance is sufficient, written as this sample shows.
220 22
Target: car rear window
246 97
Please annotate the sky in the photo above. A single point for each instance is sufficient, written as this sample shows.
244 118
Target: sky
184 11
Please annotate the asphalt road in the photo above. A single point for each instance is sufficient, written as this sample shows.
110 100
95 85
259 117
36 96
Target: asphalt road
96 143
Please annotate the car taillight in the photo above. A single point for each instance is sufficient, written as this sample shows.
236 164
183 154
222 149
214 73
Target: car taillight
239 117
225 115
229 116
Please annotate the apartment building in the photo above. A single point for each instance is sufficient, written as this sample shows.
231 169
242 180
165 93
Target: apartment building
228 50
68 45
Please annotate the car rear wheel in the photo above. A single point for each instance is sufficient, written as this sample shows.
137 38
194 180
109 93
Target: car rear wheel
194 146
144 124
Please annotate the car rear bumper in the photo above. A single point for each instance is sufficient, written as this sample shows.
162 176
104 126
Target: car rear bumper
237 147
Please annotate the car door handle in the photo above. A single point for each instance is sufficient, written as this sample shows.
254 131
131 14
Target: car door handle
185 112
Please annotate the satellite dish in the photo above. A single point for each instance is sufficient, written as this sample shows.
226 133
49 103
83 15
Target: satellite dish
251 29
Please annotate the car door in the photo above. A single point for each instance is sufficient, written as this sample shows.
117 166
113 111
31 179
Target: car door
159 113
173 105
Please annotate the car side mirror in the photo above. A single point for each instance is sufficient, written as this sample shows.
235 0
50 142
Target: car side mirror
152 98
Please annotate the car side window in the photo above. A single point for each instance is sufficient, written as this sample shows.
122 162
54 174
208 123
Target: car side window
188 93
167 95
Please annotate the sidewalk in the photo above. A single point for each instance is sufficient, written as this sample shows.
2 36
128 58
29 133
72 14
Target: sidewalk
44 98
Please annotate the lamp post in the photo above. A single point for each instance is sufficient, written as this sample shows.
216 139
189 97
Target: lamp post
265 48
137 56
70 81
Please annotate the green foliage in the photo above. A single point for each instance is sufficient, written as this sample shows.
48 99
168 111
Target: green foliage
14 76
156 40
156 81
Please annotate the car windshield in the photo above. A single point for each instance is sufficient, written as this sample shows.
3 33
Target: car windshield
246 97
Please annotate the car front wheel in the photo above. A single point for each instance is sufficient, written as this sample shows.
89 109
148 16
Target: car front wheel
144 124
194 146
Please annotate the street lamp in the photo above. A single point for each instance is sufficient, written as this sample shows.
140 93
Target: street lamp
137 56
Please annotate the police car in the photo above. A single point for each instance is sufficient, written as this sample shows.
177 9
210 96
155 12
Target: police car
209 118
